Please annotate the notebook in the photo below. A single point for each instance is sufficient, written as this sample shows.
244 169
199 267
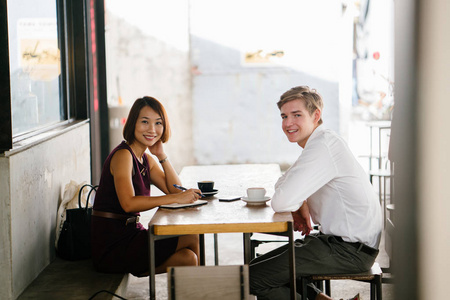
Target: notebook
181 205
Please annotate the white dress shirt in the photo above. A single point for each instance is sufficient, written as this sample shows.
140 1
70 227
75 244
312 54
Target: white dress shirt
340 196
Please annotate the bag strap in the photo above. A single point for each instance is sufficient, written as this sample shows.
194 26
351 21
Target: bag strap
93 187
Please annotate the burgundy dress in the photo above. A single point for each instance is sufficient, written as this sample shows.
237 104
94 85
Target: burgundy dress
120 248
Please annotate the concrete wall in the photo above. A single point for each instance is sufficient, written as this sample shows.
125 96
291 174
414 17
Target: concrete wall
147 54
5 231
32 181
222 110
236 119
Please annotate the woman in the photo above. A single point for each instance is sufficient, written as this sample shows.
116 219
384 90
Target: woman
119 241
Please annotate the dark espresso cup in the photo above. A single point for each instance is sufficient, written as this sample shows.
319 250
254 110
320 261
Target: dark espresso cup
206 185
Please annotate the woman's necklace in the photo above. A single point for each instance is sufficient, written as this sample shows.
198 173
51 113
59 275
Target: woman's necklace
139 158
143 171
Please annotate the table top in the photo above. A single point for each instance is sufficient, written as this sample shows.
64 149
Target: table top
220 217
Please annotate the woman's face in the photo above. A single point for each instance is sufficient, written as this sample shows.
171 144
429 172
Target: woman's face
149 127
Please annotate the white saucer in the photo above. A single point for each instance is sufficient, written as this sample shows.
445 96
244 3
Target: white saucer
209 194
255 201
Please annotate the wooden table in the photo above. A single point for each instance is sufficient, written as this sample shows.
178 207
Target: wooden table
223 217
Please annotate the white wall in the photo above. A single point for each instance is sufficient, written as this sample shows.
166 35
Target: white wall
236 119
147 54
228 113
32 180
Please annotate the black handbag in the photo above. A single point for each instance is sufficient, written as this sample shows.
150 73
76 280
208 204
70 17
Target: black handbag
75 238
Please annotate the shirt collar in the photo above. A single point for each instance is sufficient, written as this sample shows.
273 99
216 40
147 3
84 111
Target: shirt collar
315 133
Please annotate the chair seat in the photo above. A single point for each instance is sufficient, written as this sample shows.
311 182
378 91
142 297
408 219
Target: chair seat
380 173
373 276
364 276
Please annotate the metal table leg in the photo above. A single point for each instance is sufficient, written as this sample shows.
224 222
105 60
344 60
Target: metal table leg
202 249
292 260
247 248
151 275
216 250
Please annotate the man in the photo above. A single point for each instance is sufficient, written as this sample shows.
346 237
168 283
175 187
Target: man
327 184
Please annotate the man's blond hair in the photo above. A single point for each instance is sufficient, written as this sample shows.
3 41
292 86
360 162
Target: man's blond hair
312 99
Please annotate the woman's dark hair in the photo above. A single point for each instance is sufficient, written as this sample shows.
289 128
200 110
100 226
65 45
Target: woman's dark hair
130 124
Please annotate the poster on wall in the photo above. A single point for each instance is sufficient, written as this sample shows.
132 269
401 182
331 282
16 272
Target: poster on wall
39 55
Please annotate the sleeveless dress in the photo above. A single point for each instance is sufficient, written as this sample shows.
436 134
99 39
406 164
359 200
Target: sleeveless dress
120 248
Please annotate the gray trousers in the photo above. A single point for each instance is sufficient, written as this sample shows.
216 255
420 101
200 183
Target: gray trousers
316 254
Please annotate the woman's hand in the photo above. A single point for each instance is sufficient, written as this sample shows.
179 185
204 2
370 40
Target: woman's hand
302 219
158 150
188 196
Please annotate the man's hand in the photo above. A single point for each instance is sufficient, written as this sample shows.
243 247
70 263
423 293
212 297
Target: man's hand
302 219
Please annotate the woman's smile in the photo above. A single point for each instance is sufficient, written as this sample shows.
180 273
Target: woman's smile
150 137
149 127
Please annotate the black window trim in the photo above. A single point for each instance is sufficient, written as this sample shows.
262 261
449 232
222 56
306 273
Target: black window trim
74 86
5 86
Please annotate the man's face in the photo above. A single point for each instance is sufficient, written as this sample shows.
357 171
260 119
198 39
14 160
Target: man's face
297 123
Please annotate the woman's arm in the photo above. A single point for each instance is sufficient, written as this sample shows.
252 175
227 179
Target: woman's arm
121 168
163 179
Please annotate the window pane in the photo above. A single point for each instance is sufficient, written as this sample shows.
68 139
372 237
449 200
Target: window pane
35 64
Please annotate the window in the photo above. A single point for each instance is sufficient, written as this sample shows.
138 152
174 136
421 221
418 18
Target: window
53 72
35 65
44 67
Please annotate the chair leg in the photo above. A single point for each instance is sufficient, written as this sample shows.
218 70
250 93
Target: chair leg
328 287
380 196
372 290
375 288
253 245
384 200
319 285
304 288
379 286
376 292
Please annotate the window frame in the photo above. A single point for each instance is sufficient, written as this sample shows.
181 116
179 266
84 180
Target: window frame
74 85
5 81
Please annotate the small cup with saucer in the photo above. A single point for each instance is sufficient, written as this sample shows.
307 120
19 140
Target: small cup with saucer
256 196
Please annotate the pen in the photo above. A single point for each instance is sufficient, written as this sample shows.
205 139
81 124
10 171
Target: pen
185 189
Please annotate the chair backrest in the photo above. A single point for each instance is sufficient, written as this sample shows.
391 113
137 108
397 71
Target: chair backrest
389 238
208 282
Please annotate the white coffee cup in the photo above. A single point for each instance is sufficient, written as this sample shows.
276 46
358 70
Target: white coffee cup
256 193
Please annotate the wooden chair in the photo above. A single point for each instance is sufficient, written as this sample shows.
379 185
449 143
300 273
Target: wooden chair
373 276
388 276
208 282
258 239
384 175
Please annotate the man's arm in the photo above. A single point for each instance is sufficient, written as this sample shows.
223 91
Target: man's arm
312 170
302 219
